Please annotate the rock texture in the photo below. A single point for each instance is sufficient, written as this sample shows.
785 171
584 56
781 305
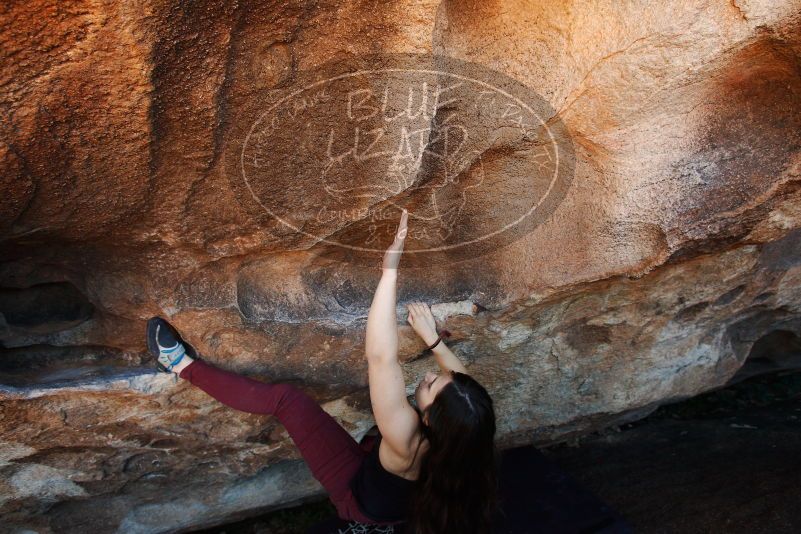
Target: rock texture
674 252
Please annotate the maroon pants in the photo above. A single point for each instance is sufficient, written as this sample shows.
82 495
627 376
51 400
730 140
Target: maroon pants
333 456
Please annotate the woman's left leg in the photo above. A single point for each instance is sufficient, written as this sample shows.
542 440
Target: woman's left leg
333 456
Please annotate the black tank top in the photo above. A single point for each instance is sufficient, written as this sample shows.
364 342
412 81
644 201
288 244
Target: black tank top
382 496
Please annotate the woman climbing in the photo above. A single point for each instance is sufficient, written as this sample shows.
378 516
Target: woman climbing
432 468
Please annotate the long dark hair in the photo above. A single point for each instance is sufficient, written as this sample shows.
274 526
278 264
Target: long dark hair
457 490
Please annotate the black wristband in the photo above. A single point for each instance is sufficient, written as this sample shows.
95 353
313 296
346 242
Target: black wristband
443 333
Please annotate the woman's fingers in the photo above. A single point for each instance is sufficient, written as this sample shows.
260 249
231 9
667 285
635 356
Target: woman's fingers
393 253
419 308
403 224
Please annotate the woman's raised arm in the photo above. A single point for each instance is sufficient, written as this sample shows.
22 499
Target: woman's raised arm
396 419
381 339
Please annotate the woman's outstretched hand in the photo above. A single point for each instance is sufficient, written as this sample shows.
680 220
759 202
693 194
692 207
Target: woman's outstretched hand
393 253
422 321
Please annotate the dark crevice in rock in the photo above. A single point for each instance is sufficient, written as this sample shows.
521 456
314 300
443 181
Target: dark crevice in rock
730 296
690 313
223 94
775 351
44 308
51 366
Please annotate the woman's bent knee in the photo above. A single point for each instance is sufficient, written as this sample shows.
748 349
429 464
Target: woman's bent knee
289 395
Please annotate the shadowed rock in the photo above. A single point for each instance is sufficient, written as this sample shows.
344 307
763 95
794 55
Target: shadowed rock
670 255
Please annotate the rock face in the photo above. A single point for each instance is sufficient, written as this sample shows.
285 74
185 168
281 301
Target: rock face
149 169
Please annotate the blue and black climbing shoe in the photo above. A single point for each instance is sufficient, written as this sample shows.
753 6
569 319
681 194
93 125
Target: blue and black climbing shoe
166 345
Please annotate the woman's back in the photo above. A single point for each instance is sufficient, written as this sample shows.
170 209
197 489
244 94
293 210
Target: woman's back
406 467
382 495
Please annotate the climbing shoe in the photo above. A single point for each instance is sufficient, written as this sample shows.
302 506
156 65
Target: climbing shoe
166 345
